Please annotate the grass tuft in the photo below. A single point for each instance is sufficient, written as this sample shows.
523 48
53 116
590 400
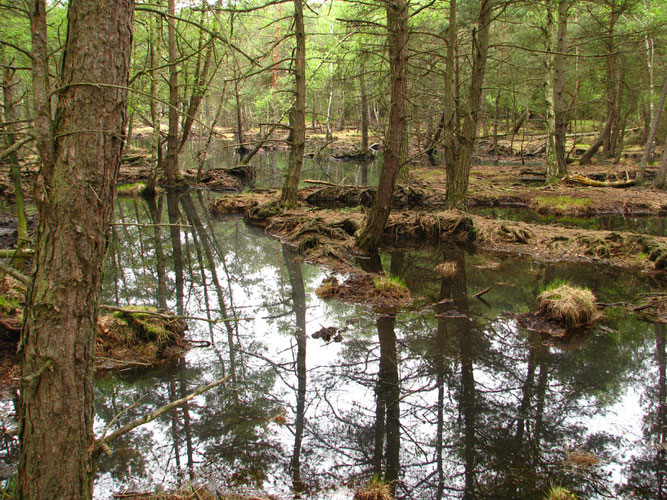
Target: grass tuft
447 269
556 492
377 489
568 304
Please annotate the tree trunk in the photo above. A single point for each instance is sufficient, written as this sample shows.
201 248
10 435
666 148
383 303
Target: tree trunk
458 172
298 113
154 40
661 179
398 33
10 115
364 114
590 152
171 163
555 88
641 174
74 197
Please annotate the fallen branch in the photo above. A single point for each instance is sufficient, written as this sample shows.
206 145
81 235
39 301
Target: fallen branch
586 181
148 225
102 443
10 254
323 183
170 316
14 273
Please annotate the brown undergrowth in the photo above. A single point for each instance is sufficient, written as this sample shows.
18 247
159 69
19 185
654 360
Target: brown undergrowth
328 236
139 336
366 288
189 493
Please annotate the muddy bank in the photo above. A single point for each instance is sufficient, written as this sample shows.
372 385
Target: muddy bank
126 337
328 236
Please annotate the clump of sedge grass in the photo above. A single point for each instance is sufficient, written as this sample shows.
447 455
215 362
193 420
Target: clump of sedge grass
447 269
389 284
568 304
556 492
134 189
377 489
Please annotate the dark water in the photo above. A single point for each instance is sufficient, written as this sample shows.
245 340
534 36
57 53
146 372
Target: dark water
654 225
451 397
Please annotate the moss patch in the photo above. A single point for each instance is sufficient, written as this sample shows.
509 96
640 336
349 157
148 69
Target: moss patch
561 204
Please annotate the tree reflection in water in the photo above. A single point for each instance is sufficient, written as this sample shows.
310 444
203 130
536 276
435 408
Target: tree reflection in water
447 399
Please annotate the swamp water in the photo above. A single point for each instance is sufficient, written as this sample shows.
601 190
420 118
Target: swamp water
271 166
450 396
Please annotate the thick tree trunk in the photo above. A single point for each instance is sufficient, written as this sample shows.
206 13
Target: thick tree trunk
74 197
397 26
458 172
298 113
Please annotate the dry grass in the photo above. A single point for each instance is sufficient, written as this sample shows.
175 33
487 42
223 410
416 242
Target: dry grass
375 490
447 269
569 305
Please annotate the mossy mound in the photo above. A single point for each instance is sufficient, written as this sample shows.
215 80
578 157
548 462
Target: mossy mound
139 335
378 291
568 305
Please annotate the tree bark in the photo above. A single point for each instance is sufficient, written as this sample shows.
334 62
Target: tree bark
9 105
364 113
554 90
641 174
298 113
458 171
171 162
74 198
398 33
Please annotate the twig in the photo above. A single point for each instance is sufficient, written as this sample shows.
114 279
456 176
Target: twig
118 415
102 443
479 294
120 361
148 225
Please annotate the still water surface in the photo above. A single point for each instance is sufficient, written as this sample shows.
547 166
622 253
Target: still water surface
450 396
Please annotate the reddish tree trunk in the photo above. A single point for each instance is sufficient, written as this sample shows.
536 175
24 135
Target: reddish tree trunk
74 196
